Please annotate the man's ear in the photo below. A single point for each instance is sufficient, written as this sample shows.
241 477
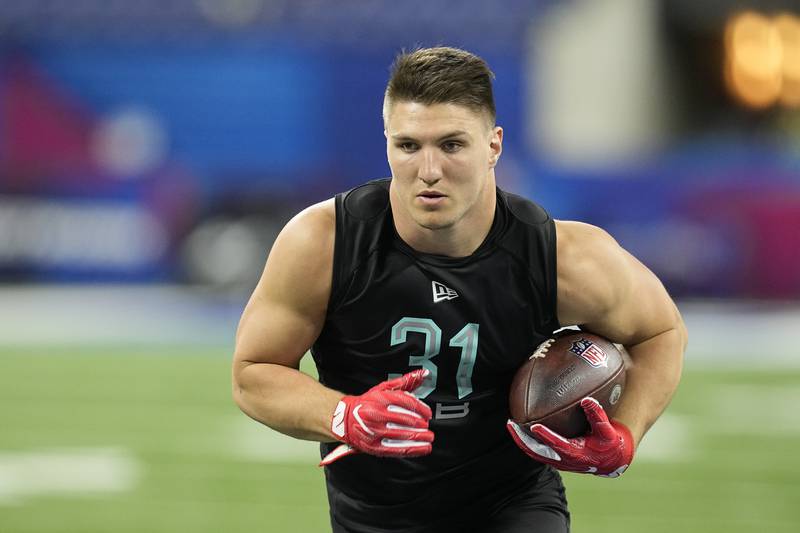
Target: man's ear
495 145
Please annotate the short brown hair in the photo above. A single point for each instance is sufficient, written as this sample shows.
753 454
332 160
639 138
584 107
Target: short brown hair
441 75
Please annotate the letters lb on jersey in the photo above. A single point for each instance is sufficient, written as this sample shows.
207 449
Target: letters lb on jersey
590 352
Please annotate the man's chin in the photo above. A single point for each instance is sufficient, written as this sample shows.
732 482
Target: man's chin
434 222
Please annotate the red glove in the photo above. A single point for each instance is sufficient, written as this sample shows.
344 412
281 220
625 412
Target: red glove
387 420
606 450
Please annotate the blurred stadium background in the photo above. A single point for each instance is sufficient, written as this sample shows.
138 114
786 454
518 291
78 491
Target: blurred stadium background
150 151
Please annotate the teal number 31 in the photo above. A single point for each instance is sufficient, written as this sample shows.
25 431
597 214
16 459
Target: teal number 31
466 339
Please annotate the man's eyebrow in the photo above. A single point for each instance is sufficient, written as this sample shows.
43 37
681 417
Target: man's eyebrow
443 137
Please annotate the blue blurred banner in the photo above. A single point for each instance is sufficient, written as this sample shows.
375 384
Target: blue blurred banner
168 140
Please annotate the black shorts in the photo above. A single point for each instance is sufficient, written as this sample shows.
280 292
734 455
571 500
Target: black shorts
540 507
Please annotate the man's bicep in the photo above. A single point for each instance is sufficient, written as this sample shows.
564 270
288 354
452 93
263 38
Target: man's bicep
286 312
641 310
606 289
273 332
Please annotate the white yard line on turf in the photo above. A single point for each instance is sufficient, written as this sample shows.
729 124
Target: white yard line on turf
113 314
754 409
26 474
668 441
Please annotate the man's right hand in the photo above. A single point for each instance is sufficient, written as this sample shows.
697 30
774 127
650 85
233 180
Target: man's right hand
387 420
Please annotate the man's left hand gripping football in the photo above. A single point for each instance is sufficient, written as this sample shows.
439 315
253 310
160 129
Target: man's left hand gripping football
387 420
606 450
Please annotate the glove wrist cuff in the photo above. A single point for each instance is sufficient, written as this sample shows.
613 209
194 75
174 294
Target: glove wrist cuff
627 439
339 420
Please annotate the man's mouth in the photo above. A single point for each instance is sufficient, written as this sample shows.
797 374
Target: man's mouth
431 198
431 194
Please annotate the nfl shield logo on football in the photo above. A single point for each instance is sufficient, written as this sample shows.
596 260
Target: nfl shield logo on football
590 352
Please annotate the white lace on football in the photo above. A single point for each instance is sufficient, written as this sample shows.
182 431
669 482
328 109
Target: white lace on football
541 350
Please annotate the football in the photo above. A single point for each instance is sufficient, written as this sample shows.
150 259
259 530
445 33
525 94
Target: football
562 371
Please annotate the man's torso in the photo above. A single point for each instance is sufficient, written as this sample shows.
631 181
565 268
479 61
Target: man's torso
470 321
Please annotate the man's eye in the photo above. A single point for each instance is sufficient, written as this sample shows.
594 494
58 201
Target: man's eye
407 147
451 146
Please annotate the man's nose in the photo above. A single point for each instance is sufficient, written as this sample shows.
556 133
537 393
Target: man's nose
430 170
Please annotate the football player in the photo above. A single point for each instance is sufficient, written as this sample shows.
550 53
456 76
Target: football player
419 296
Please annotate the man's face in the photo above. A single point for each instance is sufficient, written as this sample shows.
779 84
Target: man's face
441 156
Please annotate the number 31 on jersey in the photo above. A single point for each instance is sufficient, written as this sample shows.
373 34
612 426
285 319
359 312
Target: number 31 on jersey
466 339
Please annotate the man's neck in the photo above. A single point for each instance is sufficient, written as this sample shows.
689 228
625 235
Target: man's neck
459 240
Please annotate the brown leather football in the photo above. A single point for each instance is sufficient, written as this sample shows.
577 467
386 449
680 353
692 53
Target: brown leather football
562 371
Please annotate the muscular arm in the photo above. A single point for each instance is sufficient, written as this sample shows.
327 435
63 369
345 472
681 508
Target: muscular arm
608 291
281 321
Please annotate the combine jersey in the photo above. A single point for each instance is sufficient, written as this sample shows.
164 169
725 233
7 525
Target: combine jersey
470 321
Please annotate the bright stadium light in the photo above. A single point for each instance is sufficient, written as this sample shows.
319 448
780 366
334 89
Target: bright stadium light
762 59
753 59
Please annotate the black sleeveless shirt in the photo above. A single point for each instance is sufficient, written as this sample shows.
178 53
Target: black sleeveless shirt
472 321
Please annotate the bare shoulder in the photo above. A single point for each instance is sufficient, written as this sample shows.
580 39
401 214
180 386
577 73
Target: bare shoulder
313 222
287 309
301 260
587 258
310 233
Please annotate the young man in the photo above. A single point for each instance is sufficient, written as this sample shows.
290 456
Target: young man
436 282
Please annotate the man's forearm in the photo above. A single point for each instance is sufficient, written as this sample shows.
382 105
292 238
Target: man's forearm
651 380
286 400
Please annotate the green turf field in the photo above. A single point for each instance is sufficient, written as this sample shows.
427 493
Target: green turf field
148 440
